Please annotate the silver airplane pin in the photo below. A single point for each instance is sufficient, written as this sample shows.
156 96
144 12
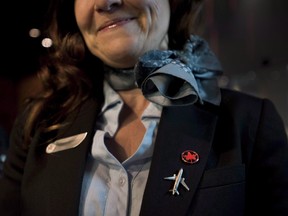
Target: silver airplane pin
178 179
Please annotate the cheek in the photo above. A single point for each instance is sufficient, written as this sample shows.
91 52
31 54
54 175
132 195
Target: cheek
83 10
161 16
140 3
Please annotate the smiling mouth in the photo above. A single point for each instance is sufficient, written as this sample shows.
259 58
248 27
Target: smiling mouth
114 23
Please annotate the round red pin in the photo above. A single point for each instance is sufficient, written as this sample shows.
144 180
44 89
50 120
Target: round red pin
190 157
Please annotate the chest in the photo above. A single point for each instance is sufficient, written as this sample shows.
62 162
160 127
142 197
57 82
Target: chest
126 140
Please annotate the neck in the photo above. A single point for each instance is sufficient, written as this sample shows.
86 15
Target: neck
120 79
135 100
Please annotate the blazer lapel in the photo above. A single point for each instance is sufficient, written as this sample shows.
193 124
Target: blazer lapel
180 129
66 166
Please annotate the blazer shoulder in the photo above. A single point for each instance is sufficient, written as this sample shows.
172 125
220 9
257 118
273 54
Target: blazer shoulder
242 100
237 103
244 105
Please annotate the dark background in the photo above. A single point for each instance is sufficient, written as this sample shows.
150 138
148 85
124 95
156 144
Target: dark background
249 37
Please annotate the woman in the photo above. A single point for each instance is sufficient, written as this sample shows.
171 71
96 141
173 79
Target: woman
131 122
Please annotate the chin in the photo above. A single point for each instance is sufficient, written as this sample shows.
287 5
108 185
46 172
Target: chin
120 52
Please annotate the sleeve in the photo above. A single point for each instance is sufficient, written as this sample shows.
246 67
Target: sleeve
13 169
267 177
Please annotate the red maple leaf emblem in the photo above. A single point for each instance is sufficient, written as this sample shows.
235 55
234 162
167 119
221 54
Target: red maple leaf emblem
190 156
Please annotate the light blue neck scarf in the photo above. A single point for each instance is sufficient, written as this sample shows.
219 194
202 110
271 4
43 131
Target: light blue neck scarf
173 78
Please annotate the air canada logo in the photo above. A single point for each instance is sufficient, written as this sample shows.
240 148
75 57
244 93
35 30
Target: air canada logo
190 157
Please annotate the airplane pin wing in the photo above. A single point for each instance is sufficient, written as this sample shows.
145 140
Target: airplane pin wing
178 179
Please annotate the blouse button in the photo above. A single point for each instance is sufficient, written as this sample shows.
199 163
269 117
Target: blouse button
122 181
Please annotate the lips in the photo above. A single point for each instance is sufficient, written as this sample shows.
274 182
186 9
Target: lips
114 23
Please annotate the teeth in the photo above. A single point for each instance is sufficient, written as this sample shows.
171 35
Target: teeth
112 26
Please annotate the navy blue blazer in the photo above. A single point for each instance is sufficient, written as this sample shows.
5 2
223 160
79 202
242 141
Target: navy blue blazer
242 167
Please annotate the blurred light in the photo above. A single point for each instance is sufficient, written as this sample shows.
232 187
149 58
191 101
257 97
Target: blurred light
236 86
223 81
47 42
2 158
34 33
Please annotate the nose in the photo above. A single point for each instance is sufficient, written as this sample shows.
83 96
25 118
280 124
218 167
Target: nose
106 5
